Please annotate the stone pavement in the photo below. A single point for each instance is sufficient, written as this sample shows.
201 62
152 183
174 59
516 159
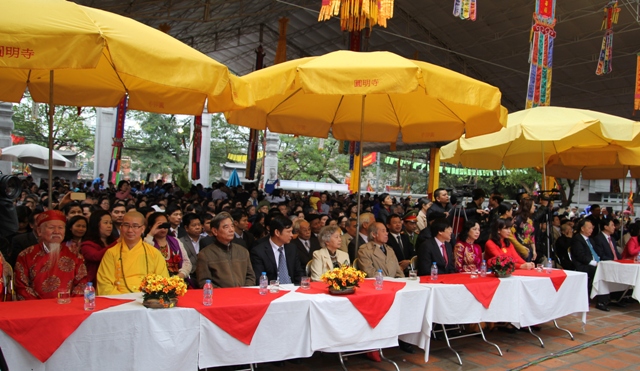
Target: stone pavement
609 340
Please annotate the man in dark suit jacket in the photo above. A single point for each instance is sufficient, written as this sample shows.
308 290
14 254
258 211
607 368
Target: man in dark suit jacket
431 250
306 243
403 248
240 227
267 257
605 243
585 258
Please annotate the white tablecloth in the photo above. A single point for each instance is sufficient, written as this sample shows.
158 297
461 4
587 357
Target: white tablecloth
612 276
131 337
523 301
125 337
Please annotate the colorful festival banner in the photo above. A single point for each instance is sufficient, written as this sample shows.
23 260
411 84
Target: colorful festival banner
611 12
197 147
465 9
357 14
636 102
118 142
369 159
541 54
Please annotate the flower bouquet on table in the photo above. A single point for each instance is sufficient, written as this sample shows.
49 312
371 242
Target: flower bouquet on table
162 292
343 280
502 265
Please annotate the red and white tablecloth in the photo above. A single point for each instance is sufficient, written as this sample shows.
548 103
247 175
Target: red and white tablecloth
612 276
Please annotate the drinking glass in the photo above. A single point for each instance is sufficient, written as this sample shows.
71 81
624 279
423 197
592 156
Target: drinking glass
305 282
413 275
64 296
539 268
274 286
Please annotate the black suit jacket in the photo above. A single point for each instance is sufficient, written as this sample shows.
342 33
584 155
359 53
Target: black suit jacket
264 260
581 255
429 252
18 243
303 256
563 243
247 240
353 249
406 252
603 249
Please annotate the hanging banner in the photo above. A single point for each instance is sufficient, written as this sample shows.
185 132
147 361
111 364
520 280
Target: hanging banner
465 9
611 12
541 54
197 147
636 103
118 142
369 159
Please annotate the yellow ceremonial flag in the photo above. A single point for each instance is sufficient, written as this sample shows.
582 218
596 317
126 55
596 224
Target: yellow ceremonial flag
636 103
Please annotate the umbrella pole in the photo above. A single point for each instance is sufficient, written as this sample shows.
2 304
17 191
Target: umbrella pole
51 112
360 172
622 210
579 190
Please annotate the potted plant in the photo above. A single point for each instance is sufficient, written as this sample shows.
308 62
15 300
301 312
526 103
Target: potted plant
502 265
343 280
162 292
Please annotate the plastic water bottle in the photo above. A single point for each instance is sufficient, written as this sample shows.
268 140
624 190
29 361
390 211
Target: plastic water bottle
89 297
264 284
549 265
434 272
379 280
207 293
483 268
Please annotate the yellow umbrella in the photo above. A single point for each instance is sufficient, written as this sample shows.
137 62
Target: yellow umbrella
532 136
390 95
609 162
98 57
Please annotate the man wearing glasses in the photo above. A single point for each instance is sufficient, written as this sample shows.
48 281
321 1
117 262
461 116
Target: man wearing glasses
125 265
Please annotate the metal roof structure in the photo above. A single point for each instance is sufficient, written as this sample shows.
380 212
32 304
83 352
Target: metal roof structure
494 48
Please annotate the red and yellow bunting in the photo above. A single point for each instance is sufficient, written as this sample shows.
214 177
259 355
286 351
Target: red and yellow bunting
356 15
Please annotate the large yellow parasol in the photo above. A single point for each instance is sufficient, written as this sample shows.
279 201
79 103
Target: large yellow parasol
69 54
532 136
369 97
98 57
609 162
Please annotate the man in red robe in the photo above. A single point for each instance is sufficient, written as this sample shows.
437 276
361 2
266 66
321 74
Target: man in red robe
44 269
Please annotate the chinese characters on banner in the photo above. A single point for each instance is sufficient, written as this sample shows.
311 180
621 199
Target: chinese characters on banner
15 52
118 142
541 54
365 83
197 147
611 12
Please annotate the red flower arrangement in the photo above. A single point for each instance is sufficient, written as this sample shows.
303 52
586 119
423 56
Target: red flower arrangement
502 265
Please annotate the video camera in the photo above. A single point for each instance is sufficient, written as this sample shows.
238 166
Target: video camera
10 189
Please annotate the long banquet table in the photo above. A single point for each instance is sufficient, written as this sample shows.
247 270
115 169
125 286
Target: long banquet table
131 337
612 276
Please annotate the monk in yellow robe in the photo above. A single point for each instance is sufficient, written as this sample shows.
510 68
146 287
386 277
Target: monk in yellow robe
125 265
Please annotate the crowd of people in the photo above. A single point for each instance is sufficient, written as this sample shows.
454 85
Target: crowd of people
114 236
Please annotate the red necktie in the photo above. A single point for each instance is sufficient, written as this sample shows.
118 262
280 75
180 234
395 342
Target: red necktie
444 254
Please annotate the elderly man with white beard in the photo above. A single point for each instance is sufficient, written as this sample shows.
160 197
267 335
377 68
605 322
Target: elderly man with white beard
44 269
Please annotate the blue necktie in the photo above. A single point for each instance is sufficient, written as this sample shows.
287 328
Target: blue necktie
283 272
593 252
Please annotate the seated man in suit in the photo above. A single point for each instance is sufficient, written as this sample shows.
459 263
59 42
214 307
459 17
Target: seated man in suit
605 243
585 258
366 219
399 242
240 227
376 254
305 243
437 249
352 229
224 262
275 255
191 242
